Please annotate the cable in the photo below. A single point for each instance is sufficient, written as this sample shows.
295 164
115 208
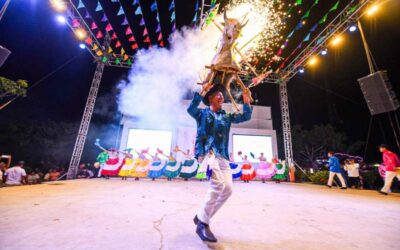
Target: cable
394 131
368 135
42 79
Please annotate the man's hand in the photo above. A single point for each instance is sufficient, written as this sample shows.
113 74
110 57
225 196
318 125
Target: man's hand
205 88
246 96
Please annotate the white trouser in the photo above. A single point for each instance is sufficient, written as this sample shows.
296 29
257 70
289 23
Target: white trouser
339 175
220 188
389 176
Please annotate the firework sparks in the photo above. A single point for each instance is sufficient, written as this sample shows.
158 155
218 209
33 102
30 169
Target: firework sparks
262 36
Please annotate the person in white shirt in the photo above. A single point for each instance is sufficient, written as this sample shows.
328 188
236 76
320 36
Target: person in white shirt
15 175
353 172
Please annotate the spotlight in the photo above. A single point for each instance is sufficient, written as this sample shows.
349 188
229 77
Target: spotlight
80 33
301 70
352 27
82 46
337 40
313 61
61 19
59 5
372 10
324 51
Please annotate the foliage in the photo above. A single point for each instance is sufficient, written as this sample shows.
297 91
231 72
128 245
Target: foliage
12 88
320 177
310 144
300 176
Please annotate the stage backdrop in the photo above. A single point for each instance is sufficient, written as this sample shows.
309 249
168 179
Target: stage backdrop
252 137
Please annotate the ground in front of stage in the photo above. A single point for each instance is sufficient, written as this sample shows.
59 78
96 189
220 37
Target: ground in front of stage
145 214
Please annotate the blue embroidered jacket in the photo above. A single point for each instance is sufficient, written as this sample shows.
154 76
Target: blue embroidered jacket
334 164
213 128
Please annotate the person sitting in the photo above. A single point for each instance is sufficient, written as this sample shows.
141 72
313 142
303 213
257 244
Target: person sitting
15 175
54 175
33 178
83 173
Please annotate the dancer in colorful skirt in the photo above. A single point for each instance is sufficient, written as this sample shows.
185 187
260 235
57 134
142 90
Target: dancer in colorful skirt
128 165
157 168
281 172
141 165
113 164
248 172
236 170
265 169
189 166
172 169
101 159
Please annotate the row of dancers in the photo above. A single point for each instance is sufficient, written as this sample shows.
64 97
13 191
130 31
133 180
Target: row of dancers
114 163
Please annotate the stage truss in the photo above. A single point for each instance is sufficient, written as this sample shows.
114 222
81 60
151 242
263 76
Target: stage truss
349 14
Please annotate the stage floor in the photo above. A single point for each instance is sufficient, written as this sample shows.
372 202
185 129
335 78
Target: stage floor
115 214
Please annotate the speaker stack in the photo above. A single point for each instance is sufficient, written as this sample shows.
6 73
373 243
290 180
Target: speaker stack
378 93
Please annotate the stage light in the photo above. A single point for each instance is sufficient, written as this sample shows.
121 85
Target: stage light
80 33
61 19
59 5
313 61
337 40
324 51
82 46
301 70
372 10
352 27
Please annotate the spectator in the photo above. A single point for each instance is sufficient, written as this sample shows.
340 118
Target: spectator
15 175
33 178
54 175
83 172
2 166
353 172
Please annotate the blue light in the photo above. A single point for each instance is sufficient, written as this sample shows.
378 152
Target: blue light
61 19
324 52
353 27
301 70
82 46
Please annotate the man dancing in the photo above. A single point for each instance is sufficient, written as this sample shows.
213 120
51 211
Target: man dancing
213 125
392 167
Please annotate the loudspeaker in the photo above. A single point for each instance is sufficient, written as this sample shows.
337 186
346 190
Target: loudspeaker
378 93
4 53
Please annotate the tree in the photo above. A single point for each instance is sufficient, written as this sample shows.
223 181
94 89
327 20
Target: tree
309 144
12 88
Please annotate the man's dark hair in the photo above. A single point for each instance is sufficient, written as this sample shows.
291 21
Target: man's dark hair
330 152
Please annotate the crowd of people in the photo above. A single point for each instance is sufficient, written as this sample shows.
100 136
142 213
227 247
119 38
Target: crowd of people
19 174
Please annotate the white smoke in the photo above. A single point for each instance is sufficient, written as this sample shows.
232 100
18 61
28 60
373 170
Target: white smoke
160 78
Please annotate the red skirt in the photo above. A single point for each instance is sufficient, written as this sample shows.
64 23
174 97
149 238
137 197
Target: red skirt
248 172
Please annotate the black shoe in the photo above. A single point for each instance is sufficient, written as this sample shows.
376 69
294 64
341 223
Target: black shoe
196 220
328 186
381 192
343 188
204 232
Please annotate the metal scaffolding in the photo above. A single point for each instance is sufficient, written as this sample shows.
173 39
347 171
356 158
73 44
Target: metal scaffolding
87 116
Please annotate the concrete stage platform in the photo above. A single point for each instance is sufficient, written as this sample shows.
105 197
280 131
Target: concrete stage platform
115 214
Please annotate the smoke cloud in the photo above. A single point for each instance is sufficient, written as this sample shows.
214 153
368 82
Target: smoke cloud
160 78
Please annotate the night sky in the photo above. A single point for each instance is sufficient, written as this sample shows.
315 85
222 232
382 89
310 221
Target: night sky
60 73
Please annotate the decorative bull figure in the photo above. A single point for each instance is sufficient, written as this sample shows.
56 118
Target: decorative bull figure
223 65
